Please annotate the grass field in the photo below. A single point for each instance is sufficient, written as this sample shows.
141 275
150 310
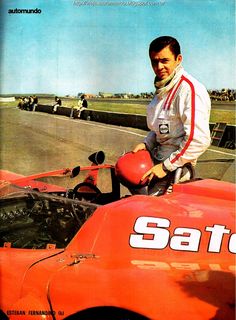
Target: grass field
216 115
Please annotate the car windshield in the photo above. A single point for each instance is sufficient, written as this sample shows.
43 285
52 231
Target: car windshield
31 219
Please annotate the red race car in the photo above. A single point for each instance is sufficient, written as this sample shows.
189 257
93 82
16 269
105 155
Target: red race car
73 248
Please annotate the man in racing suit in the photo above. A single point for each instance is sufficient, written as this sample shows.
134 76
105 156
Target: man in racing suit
178 115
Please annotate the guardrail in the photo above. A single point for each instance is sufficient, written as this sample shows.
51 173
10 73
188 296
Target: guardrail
128 120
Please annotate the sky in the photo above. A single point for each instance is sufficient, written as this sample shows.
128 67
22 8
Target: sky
92 46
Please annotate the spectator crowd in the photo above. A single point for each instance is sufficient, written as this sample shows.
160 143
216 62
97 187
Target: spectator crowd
28 103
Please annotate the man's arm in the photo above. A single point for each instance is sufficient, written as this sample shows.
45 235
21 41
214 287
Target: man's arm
148 144
195 111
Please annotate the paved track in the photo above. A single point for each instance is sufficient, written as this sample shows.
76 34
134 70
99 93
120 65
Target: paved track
35 142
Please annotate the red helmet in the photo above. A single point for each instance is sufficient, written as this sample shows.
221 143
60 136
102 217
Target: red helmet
131 167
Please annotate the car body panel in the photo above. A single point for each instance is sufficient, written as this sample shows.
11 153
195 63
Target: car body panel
161 257
15 264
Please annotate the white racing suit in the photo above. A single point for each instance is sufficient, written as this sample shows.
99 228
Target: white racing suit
178 117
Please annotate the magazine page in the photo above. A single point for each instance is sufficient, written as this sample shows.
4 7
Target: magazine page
117 159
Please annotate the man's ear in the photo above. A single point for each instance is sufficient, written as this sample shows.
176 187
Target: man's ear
179 58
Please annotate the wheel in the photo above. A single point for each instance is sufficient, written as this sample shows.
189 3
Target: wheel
107 313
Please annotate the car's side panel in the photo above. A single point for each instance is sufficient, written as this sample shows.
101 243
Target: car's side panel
14 266
162 257
176 263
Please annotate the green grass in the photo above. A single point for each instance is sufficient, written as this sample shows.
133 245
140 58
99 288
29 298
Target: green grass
226 116
118 107
125 107
8 104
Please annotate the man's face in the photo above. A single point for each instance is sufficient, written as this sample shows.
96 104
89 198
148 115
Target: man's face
164 62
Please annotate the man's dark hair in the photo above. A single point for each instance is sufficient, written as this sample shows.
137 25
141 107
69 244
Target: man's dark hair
165 41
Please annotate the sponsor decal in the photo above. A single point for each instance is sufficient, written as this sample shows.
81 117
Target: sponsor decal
153 233
164 128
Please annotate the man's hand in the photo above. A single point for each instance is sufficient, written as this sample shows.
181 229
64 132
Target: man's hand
156 171
140 146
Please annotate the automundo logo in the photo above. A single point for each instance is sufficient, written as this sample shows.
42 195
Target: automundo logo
24 11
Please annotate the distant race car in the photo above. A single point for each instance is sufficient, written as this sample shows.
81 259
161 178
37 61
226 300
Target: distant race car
73 248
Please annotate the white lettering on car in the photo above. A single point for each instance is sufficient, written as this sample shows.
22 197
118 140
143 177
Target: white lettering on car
232 243
186 239
217 233
160 235
153 233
